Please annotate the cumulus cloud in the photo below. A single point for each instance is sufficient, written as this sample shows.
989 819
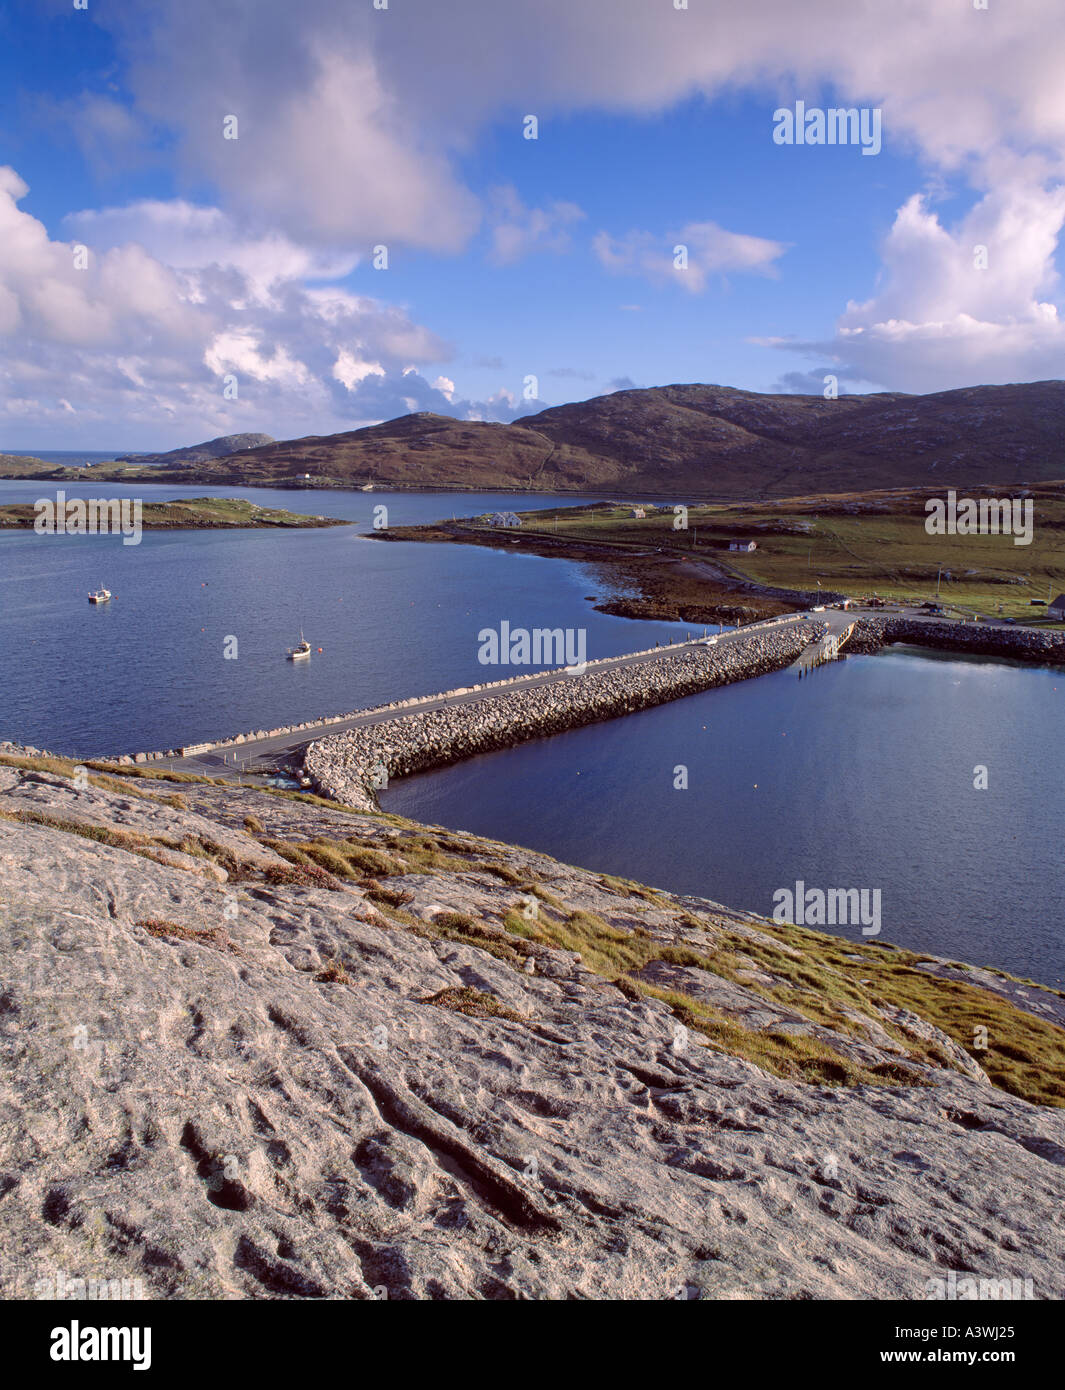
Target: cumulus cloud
327 147
686 257
959 305
188 236
101 330
355 127
445 386
353 124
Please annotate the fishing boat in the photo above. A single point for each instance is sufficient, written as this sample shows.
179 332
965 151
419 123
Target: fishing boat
100 595
300 652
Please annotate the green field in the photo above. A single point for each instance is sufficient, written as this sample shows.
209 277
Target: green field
862 544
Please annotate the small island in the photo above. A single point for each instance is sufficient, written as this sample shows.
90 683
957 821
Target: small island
193 514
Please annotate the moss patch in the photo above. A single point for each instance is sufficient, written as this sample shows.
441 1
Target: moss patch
474 1003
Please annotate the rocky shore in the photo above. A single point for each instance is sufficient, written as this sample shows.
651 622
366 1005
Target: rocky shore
348 767
258 1046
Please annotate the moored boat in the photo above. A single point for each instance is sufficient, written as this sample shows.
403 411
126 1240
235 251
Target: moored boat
100 595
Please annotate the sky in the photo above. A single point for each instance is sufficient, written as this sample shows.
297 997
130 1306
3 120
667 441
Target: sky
222 216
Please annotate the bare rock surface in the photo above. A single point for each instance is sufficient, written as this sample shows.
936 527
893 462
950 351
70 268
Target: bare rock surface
276 1090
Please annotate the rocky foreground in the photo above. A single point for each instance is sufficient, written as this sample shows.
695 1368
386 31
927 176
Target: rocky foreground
258 1046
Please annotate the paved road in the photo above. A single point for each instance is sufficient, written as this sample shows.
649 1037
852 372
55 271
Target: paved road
228 761
275 751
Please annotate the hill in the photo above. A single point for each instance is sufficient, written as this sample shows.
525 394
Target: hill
681 442
694 440
201 453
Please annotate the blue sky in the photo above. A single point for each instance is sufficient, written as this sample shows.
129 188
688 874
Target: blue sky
249 261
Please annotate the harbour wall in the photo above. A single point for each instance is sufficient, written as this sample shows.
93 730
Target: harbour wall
1019 644
237 741
349 766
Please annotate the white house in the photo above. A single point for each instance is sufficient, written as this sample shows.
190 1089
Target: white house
743 545
1056 609
504 519
638 511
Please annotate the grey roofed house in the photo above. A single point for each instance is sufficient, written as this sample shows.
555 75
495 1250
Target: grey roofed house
504 519
1057 608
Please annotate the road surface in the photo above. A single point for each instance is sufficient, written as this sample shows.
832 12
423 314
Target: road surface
229 761
276 751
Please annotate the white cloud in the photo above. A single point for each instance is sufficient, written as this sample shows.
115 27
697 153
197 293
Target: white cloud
518 230
328 149
131 339
350 372
949 313
686 257
188 236
352 122
355 125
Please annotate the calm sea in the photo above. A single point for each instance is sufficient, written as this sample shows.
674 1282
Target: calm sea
860 777
147 670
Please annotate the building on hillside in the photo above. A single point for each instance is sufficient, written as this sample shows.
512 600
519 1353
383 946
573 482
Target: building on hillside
1057 608
743 545
638 511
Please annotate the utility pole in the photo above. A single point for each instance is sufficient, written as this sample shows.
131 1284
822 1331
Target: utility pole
938 577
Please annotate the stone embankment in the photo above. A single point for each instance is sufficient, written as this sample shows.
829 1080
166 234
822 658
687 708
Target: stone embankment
871 634
349 766
1020 644
327 721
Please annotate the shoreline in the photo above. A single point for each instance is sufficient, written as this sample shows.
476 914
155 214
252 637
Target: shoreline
178 514
872 633
717 594
651 572
254 968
